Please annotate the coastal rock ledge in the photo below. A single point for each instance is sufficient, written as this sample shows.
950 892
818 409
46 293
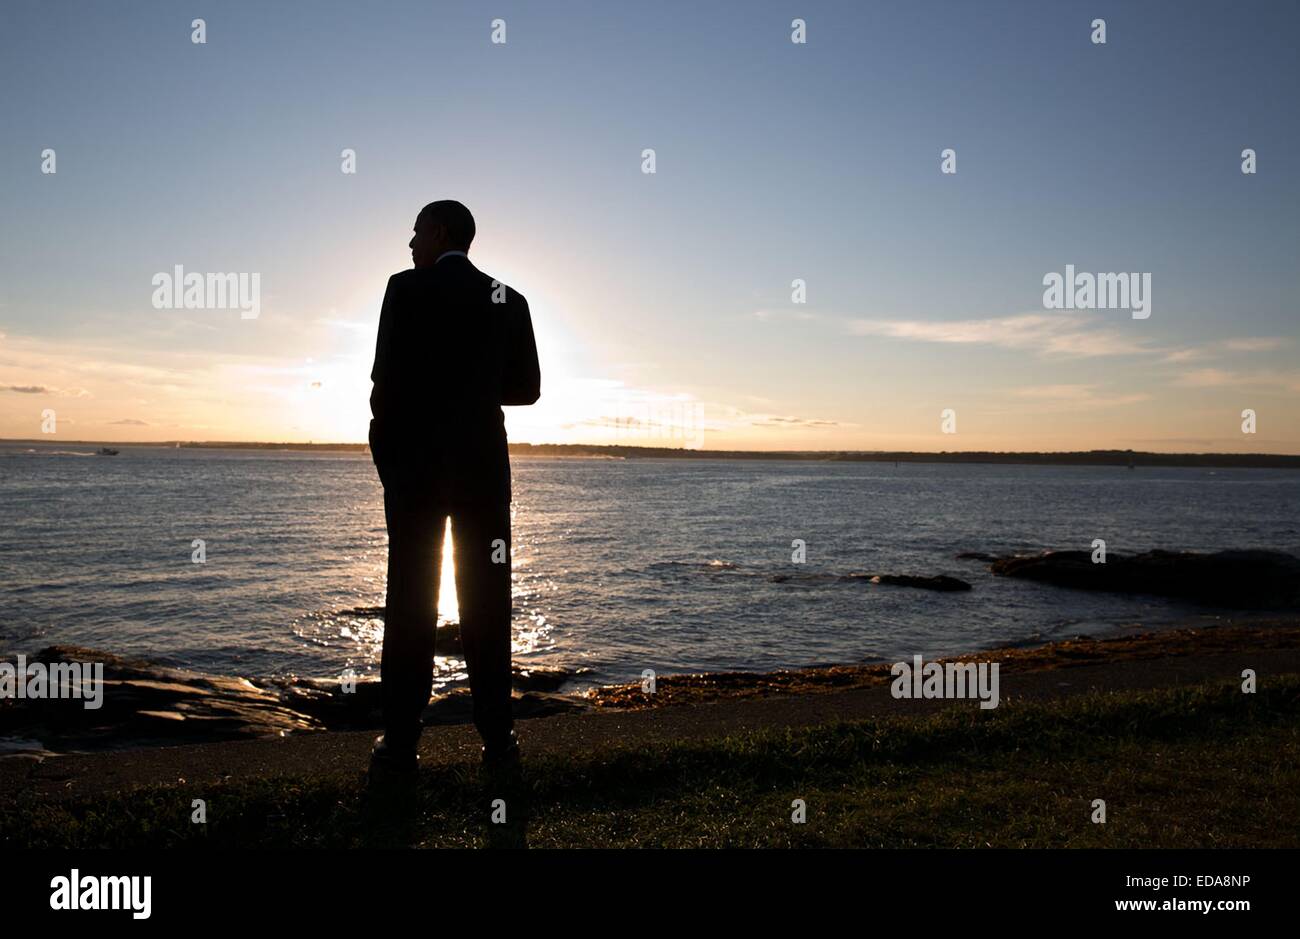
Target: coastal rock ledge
148 704
1246 580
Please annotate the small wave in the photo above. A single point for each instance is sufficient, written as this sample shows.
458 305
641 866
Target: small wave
808 578
12 745
703 566
371 611
940 582
58 452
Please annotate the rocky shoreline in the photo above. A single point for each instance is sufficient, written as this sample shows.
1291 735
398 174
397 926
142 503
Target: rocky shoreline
1230 636
147 704
1243 580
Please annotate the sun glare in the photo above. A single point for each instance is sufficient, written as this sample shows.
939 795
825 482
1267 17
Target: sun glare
448 605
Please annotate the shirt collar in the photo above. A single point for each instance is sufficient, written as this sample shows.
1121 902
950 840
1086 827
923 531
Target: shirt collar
449 254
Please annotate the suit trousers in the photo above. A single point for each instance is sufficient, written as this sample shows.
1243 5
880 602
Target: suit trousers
417 520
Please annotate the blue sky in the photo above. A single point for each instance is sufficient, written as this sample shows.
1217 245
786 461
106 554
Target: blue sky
657 296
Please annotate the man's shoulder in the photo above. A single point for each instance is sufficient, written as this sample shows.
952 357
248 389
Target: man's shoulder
401 278
455 273
414 280
498 291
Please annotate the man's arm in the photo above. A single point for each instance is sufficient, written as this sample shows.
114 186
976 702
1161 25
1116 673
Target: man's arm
521 375
380 374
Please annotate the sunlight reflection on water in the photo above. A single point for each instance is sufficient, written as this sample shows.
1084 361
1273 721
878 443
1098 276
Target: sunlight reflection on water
448 605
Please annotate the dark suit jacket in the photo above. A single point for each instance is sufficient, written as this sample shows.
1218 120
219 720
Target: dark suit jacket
454 346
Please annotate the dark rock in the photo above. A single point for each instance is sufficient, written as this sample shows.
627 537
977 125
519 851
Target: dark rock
1237 579
363 611
329 701
977 556
939 582
446 639
542 677
809 579
145 703
457 707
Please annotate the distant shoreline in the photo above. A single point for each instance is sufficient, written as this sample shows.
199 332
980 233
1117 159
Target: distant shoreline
1133 458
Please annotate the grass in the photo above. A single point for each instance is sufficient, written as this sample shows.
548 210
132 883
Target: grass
1200 766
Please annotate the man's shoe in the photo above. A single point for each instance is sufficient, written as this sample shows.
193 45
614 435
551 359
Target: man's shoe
391 761
502 755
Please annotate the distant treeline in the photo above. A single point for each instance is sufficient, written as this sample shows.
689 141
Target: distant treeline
1068 458
226 445
1071 458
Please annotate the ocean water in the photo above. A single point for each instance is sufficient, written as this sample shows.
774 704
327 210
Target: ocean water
619 565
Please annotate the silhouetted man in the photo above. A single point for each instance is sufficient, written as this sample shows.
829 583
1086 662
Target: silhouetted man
454 346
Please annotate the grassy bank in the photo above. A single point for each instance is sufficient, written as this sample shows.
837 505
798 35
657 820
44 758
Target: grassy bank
1200 766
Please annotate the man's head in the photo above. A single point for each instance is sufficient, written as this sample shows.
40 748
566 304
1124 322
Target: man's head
445 225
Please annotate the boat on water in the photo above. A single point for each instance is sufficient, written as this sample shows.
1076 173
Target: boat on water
107 451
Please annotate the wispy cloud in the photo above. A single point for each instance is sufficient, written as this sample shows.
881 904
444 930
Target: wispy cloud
779 421
1080 335
1258 378
1260 344
1206 378
1063 335
769 316
1241 345
237 396
365 326
1078 397
46 390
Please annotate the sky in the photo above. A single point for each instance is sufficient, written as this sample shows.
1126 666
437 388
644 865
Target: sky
664 302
